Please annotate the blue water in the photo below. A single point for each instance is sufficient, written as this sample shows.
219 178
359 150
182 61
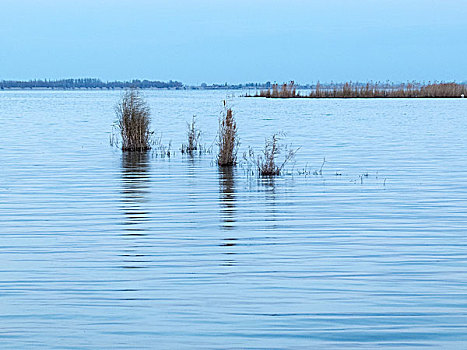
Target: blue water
104 250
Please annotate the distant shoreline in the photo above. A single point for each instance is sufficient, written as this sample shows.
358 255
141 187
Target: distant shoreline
266 90
97 84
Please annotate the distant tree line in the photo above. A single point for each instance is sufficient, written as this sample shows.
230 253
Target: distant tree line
92 83
228 86
88 83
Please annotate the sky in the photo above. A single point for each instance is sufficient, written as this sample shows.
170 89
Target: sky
237 41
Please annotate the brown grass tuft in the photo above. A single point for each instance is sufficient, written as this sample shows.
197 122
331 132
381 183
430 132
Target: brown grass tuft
266 163
133 119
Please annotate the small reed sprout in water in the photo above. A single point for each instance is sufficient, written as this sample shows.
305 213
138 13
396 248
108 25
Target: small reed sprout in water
193 138
228 140
266 163
133 119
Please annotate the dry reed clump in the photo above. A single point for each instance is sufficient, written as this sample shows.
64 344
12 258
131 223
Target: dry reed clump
371 90
193 138
133 119
266 163
228 141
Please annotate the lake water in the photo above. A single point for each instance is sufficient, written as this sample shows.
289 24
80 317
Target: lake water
104 250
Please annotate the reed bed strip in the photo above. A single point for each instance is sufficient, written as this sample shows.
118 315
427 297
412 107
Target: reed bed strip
369 90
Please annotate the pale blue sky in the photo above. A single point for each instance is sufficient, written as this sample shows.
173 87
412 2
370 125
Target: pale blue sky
234 41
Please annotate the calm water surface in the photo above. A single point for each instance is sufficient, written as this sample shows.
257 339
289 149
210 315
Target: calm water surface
104 250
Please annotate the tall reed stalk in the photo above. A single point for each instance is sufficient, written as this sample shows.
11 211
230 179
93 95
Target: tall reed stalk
228 141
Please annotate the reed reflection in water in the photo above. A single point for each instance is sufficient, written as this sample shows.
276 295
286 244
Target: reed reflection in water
268 186
135 189
227 198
